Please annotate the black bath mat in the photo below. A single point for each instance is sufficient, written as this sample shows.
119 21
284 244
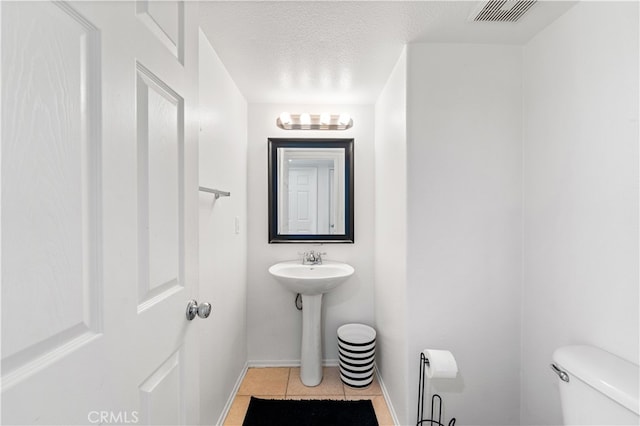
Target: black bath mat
280 412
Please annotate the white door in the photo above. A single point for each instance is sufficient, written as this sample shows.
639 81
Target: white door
303 200
332 202
99 212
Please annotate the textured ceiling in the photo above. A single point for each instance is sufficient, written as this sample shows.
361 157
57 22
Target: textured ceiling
336 52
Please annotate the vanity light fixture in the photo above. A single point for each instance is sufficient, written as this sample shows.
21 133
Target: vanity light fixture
306 121
344 119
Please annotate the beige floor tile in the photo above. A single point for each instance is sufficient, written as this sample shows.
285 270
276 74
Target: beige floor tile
382 411
372 389
238 410
265 381
330 385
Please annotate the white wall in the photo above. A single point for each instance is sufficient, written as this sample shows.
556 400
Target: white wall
391 237
274 324
457 170
464 224
580 194
223 253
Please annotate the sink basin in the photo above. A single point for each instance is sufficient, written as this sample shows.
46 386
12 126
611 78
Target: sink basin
311 279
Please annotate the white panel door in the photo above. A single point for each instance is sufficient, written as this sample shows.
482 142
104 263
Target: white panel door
99 212
303 200
332 202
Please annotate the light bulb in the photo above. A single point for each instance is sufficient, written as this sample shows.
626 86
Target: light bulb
285 118
344 119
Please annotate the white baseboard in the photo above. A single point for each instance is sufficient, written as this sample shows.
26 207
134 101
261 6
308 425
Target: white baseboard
287 363
270 363
296 363
232 396
387 399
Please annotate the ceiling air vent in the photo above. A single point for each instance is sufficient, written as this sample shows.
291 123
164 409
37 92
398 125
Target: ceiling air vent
503 10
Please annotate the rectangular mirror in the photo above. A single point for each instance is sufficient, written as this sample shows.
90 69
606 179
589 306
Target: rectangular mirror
311 190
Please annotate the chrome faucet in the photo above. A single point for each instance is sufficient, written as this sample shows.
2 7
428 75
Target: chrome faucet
312 258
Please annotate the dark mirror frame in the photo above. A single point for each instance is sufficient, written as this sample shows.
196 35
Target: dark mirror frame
347 145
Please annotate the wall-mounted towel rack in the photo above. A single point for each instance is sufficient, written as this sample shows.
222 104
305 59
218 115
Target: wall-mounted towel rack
217 192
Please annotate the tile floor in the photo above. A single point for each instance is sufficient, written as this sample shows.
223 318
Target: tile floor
284 383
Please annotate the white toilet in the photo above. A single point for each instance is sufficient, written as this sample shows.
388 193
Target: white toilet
596 387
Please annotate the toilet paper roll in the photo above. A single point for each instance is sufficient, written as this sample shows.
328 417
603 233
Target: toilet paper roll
442 364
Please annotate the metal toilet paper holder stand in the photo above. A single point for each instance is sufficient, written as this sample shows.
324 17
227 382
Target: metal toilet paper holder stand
436 400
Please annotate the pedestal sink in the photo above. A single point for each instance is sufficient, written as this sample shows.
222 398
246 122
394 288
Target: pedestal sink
311 281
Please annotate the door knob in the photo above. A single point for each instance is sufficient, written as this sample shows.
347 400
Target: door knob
202 310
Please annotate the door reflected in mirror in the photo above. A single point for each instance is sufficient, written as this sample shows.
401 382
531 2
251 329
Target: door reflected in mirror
311 190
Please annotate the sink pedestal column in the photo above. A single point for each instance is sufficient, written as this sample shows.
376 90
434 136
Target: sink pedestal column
311 359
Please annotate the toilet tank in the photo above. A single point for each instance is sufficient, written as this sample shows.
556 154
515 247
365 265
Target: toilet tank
602 388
